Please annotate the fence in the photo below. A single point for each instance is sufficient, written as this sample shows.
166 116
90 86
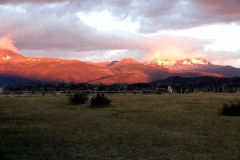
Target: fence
122 92
69 92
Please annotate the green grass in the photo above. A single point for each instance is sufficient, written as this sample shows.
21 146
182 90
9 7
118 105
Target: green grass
134 127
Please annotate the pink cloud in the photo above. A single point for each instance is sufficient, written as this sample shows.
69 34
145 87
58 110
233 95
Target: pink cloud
174 48
223 57
7 43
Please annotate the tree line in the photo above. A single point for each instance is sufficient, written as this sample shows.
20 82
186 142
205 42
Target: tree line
178 85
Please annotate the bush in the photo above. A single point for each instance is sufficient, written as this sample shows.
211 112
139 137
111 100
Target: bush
231 109
100 101
78 98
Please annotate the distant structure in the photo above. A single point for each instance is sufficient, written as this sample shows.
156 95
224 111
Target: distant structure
169 89
1 89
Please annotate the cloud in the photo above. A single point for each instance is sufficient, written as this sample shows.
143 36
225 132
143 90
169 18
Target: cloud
190 14
152 15
223 57
56 35
16 2
65 33
52 27
7 43
224 8
174 48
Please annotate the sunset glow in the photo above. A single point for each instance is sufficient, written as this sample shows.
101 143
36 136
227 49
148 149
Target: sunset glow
109 30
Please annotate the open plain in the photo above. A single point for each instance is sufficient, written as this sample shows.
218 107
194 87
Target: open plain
165 126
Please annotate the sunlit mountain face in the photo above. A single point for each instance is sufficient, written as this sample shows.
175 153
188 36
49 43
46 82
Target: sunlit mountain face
126 70
7 54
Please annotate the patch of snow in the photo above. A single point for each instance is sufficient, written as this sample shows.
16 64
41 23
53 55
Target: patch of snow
199 61
7 57
165 62
186 62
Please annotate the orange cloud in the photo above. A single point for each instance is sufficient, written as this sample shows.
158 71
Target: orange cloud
7 43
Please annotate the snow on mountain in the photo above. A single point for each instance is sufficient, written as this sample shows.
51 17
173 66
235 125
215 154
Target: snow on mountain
7 57
7 54
190 64
185 62
194 61
164 63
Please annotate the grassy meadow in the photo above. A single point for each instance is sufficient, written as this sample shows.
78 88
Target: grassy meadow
163 126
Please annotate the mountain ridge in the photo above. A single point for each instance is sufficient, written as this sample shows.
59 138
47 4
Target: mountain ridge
126 70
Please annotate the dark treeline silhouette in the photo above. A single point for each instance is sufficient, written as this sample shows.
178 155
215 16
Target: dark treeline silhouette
179 85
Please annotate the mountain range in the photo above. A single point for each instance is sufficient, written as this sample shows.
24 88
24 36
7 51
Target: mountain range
15 69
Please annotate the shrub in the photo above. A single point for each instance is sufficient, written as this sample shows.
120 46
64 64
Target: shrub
232 108
78 98
100 101
102 87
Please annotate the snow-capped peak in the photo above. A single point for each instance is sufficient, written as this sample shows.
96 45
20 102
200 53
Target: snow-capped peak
190 64
200 61
194 61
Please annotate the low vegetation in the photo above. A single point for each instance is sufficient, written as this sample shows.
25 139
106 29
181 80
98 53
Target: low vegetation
166 126
231 109
78 98
100 101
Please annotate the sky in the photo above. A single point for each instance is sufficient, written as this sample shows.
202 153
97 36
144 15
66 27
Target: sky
107 30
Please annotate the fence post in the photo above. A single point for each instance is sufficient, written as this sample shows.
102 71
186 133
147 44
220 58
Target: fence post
124 92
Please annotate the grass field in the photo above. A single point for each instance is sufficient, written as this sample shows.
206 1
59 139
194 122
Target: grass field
134 127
